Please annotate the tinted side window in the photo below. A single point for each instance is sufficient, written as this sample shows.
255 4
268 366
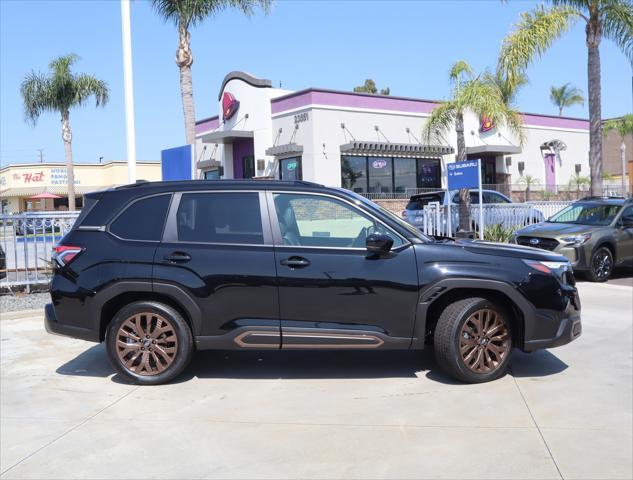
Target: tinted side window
220 218
318 221
143 219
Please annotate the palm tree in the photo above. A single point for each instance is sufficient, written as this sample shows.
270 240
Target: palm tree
186 14
624 127
566 96
529 181
59 91
483 99
537 31
508 86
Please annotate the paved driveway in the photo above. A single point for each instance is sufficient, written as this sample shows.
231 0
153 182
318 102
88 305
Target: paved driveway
564 413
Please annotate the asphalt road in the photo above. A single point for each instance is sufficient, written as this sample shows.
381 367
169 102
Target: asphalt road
564 413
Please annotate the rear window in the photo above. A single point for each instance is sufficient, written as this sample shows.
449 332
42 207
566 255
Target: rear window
220 218
418 203
89 203
143 219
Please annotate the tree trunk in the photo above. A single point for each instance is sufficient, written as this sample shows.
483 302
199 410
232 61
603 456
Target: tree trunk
560 111
184 60
594 33
464 193
67 137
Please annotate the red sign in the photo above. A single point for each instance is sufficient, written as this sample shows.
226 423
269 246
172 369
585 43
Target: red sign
229 105
486 125
33 177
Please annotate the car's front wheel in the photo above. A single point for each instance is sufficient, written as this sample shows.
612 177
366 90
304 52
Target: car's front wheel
473 340
149 342
601 265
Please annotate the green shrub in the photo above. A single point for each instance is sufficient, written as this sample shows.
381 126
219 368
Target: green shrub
498 233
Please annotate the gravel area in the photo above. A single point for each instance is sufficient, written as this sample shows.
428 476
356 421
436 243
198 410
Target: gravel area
23 301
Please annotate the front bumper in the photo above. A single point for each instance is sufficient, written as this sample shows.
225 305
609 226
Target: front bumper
569 330
53 326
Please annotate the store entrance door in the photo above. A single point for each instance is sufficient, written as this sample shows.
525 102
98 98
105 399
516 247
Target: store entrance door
243 158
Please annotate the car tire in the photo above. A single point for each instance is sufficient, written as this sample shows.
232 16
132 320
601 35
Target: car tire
159 353
600 265
473 340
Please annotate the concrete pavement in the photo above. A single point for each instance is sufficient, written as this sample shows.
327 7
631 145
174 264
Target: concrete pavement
564 413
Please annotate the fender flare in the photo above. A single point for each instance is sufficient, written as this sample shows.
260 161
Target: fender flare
174 292
438 289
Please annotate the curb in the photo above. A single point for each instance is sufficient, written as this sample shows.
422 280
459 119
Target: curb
14 315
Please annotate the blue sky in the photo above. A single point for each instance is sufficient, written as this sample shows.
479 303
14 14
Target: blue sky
408 46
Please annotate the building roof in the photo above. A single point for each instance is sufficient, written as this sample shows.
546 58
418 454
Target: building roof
63 164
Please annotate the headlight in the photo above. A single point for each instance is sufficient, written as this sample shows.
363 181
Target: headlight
549 268
577 239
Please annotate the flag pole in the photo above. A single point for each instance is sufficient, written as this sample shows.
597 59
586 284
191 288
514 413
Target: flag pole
129 91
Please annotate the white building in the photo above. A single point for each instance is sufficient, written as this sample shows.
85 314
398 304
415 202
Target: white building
371 143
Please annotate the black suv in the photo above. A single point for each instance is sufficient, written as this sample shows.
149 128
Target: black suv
158 270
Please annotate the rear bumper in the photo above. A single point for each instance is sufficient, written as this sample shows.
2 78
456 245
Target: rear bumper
53 326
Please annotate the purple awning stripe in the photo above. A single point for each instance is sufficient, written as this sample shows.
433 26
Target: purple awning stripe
350 100
532 120
377 102
207 124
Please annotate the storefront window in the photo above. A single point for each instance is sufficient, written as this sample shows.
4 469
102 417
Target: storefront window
380 174
386 175
290 168
354 173
404 174
212 174
429 172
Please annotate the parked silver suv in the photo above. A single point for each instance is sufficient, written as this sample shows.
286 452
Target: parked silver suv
414 212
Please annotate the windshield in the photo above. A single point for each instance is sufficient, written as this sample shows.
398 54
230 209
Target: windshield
391 215
587 214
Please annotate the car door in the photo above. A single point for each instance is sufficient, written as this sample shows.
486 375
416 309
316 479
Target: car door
331 292
624 237
217 247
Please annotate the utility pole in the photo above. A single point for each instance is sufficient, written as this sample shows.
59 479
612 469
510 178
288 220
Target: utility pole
129 90
623 158
41 150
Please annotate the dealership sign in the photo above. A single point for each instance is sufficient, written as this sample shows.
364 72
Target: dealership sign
230 105
463 174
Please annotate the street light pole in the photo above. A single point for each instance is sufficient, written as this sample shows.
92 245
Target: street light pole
623 158
129 91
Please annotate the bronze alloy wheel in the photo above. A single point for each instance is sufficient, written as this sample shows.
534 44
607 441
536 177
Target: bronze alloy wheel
146 344
484 341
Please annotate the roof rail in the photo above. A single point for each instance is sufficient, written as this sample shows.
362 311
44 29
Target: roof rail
603 197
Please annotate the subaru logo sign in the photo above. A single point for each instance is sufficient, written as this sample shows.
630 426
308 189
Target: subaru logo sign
534 241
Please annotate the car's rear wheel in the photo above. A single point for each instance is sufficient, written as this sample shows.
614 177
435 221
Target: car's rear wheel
149 342
601 265
473 340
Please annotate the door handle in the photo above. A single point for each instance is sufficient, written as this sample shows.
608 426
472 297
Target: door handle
178 257
295 262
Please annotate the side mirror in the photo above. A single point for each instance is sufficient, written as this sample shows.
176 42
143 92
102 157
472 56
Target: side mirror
626 223
378 243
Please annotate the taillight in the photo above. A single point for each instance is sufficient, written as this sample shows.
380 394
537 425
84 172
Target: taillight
64 254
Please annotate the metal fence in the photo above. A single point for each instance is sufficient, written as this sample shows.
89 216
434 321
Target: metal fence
433 219
27 241
516 192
